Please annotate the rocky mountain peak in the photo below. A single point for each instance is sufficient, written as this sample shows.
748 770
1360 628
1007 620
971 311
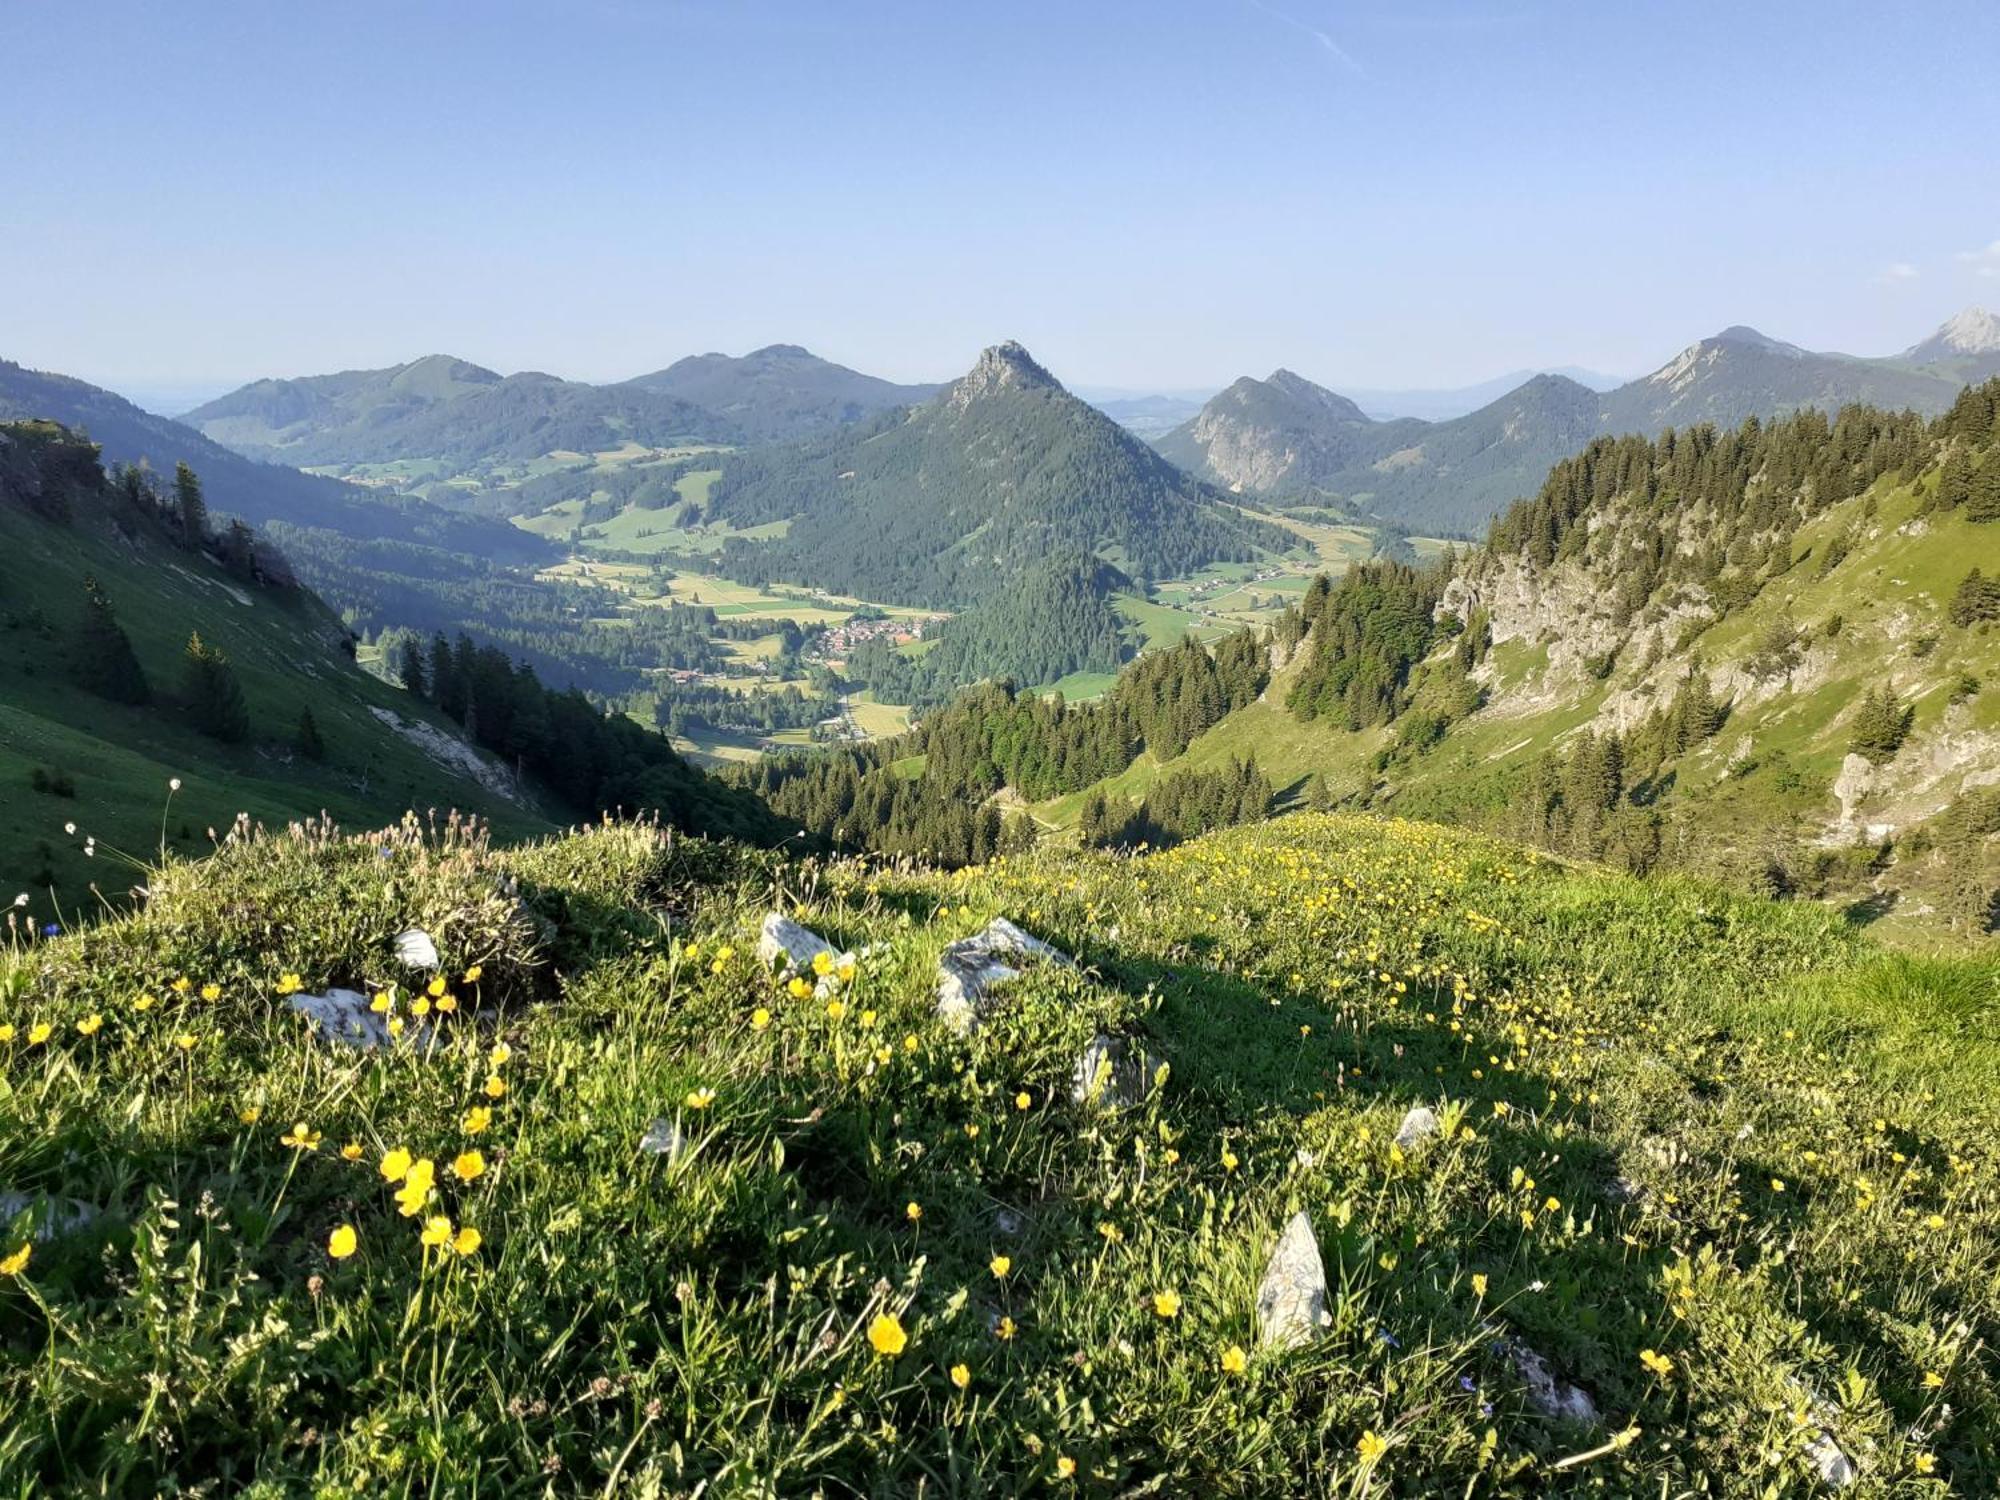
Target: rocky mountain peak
1973 331
1005 366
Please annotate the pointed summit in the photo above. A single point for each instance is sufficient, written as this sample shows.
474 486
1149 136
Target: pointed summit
1005 366
1972 332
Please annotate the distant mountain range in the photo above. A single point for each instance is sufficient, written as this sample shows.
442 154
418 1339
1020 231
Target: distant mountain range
1437 405
1286 436
447 410
457 415
259 493
780 391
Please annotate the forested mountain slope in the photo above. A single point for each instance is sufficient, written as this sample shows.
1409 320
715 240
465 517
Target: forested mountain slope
948 502
1770 652
104 698
259 493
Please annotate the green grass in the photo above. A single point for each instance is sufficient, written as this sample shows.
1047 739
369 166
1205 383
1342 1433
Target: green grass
287 651
1806 1133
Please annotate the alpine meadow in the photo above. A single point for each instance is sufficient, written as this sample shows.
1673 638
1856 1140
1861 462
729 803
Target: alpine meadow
914 879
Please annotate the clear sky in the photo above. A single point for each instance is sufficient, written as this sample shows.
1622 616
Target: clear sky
1151 195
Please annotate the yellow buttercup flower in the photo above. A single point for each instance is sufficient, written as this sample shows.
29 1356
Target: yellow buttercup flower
886 1335
822 963
1479 1283
501 1053
759 1018
437 1231
39 1033
467 1241
1167 1304
90 1024
835 1009
496 1086
351 1151
1658 1363
6 1031
16 1263
1065 1467
961 1376
1021 1100
913 1211
211 992
798 988
1371 1448
1004 1330
472 975
395 1165
435 988
301 1137
381 1003
1000 1265
342 1242
468 1165
144 1003
477 1119
1234 1360
698 1099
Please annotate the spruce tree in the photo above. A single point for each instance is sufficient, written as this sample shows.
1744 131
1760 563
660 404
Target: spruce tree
1881 726
1977 598
311 746
410 668
211 697
1982 501
101 659
190 509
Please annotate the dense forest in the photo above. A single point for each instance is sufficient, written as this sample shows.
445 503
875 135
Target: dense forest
594 761
928 792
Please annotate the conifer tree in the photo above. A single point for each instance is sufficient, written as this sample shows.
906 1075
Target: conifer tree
311 746
101 658
1982 500
410 668
190 509
211 697
1977 598
1881 726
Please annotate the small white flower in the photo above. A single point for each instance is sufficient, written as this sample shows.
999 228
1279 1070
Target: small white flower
22 899
69 828
174 784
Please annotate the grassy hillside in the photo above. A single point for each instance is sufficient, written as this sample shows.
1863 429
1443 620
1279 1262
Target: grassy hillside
1717 1162
1786 575
112 763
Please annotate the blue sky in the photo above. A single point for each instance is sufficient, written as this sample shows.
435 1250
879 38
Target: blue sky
1153 195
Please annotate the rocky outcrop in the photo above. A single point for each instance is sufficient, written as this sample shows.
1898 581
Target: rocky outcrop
1111 1073
971 969
1292 1297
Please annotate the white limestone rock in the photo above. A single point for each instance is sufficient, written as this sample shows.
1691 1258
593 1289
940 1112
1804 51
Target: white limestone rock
415 949
664 1138
343 1016
1418 1126
1547 1392
972 968
48 1218
1111 1073
1292 1298
797 945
